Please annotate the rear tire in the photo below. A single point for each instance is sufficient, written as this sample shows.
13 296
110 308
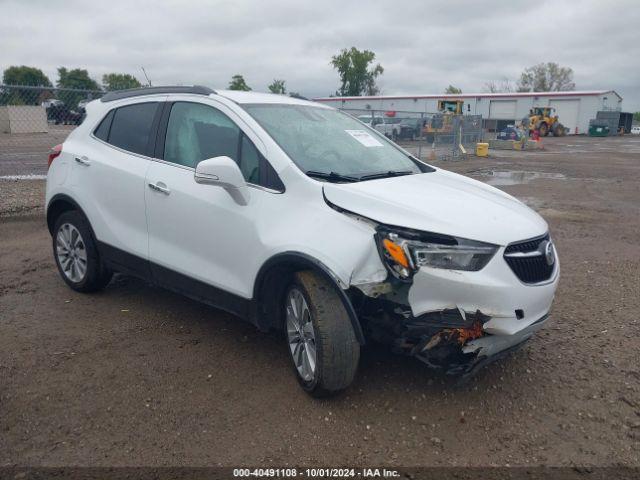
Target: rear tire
76 254
329 335
559 130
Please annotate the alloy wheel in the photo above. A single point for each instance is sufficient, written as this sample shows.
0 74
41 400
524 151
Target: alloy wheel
71 252
301 334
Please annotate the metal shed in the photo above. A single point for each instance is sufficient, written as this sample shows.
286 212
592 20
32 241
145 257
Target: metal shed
575 109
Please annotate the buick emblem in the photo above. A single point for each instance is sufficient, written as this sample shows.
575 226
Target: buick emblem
546 248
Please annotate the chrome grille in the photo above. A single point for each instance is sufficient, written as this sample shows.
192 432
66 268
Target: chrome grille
528 260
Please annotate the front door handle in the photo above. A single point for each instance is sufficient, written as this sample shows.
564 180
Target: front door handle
84 161
159 187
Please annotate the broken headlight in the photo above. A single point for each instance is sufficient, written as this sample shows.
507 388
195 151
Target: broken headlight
404 252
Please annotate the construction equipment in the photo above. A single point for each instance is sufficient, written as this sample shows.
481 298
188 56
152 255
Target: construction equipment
441 123
451 106
545 120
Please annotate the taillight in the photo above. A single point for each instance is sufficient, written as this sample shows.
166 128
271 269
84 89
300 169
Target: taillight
54 153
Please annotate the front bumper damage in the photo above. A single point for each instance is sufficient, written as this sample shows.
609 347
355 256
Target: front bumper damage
456 321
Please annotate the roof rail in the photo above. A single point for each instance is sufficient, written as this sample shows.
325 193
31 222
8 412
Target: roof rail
137 92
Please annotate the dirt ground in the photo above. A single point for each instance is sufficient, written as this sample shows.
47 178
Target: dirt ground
139 376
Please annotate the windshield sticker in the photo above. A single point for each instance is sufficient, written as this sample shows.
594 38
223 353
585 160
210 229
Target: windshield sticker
364 138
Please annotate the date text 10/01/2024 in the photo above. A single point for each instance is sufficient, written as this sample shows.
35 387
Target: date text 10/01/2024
316 472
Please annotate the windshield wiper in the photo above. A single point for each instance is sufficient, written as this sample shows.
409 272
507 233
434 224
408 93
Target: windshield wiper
389 173
338 177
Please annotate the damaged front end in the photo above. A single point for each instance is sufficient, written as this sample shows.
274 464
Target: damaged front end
452 303
435 338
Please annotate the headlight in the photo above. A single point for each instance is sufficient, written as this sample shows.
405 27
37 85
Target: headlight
404 252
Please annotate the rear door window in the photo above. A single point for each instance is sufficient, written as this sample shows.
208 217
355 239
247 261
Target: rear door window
131 127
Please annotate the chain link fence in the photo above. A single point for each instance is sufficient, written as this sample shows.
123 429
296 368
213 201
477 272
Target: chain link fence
429 136
34 119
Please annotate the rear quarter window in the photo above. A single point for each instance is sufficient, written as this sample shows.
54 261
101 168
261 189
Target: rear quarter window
102 132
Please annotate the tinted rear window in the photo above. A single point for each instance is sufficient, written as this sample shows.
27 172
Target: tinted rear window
131 127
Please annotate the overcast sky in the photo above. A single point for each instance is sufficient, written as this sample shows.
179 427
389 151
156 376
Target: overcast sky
423 46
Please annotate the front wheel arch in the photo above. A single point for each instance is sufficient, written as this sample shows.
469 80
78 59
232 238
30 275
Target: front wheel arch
272 281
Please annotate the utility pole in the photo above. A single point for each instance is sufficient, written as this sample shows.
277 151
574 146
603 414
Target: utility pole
145 76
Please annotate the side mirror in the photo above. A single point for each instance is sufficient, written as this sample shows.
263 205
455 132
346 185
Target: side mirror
223 172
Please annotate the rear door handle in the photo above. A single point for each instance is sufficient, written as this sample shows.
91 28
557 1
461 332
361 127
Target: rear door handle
83 161
159 187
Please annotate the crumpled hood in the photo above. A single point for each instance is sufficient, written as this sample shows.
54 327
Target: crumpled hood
440 202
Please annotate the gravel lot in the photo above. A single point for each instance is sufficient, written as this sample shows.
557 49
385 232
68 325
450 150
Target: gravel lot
139 376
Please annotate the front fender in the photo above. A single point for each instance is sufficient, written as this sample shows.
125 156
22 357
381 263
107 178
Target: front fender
290 261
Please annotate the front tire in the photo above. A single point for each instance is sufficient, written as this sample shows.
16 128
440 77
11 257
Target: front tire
76 254
322 344
543 130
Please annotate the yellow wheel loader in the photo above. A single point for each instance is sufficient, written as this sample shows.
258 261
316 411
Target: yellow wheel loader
441 123
545 121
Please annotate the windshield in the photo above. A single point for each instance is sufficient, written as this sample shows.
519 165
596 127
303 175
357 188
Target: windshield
326 141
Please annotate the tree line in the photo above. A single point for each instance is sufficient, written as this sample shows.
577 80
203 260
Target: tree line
76 78
357 70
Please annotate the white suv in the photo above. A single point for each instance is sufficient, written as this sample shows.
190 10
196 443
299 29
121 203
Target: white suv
295 216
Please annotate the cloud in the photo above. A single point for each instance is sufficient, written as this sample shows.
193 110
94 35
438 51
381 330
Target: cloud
424 46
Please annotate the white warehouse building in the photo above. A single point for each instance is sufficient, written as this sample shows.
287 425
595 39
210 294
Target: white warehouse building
574 109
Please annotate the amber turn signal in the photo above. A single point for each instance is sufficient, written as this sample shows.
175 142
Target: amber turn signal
396 252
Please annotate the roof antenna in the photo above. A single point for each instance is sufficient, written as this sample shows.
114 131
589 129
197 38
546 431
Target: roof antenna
145 76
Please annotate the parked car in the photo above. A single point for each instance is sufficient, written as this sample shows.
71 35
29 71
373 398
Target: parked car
51 102
510 133
59 113
635 130
410 128
390 127
297 217
371 120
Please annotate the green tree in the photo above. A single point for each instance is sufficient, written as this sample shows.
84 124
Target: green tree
119 81
278 86
76 79
23 75
546 77
357 74
453 90
636 116
238 83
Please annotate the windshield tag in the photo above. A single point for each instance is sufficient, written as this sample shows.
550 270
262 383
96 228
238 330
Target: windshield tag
364 138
